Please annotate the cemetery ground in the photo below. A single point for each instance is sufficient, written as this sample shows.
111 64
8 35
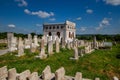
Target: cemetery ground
100 63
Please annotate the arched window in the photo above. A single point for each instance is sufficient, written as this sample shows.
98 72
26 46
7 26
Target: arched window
53 27
62 27
69 35
46 27
58 34
57 27
50 27
73 34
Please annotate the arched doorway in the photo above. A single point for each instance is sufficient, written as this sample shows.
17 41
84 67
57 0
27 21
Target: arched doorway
58 34
49 33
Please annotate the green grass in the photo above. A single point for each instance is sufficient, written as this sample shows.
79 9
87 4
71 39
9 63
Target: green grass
101 63
3 45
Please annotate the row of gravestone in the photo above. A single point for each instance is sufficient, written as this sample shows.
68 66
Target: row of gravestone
59 74
13 42
42 55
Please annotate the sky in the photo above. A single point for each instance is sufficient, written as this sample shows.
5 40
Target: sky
90 16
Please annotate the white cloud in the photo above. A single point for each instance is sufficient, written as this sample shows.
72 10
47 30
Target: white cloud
79 18
41 14
27 11
112 2
11 25
82 29
38 25
89 11
105 22
52 19
22 3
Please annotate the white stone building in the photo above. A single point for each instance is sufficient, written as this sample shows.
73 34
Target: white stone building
65 30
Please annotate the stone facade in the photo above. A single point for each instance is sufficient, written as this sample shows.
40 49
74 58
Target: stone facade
65 30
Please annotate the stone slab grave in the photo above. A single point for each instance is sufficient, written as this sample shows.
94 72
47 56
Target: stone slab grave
63 43
28 41
60 74
68 45
3 73
24 75
88 49
34 76
57 45
50 47
76 56
20 47
36 40
42 54
78 76
11 41
12 74
27 45
33 48
47 74
81 52
13 44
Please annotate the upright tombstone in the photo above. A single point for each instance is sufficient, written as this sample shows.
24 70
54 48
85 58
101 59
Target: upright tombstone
9 38
46 74
60 74
29 39
27 45
24 75
36 40
20 47
3 73
68 45
57 45
81 52
50 47
45 39
63 43
34 76
13 44
12 74
33 47
78 76
76 53
42 54
94 42
74 43
71 45
97 78
76 56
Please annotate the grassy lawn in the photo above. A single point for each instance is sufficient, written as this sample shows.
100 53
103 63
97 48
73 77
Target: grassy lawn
101 63
3 46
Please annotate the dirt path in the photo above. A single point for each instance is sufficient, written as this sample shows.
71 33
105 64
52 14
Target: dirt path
2 52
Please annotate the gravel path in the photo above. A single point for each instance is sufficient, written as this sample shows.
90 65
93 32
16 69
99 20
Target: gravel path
2 52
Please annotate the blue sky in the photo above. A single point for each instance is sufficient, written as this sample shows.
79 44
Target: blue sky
90 16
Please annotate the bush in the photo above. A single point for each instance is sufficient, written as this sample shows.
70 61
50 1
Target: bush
118 56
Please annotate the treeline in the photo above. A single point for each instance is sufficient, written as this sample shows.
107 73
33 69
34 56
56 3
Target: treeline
100 37
3 35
